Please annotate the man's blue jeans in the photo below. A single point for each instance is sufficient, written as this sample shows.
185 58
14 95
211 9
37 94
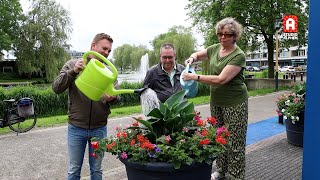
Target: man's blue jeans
78 138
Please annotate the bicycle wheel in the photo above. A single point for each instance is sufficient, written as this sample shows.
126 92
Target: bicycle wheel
23 124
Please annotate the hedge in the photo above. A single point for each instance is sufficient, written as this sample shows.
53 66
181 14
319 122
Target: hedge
47 103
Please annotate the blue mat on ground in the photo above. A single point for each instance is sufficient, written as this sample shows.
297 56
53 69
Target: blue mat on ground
263 129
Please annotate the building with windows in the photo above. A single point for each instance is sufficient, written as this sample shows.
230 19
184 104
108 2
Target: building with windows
75 54
292 56
7 61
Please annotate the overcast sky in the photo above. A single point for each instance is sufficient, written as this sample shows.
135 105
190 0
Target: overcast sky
126 21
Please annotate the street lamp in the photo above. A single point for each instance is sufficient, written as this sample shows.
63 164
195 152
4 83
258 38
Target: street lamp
277 27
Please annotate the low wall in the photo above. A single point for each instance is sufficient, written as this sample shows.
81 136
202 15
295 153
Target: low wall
263 83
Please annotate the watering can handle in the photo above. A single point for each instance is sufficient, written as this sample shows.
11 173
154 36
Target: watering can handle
104 59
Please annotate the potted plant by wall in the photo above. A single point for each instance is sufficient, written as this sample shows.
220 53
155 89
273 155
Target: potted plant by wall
281 102
174 142
293 108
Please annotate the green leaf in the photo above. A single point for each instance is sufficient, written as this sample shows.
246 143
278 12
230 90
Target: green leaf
175 99
189 109
147 124
180 106
156 113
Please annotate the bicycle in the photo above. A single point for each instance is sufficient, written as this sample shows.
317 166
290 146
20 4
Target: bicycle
19 115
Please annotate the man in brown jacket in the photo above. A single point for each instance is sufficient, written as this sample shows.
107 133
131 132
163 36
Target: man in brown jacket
87 118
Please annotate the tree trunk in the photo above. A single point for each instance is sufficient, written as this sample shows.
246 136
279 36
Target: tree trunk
271 64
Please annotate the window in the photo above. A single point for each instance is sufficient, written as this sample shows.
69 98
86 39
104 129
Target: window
301 53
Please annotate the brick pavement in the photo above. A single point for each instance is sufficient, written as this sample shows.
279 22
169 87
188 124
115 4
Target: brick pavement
273 158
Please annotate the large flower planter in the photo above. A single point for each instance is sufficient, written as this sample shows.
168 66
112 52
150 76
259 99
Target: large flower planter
166 171
295 131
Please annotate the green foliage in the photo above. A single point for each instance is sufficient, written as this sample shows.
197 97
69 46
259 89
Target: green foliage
181 38
262 74
128 99
174 114
128 57
173 133
257 17
48 103
300 89
45 100
43 39
10 16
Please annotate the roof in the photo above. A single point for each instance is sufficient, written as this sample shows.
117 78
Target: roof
8 55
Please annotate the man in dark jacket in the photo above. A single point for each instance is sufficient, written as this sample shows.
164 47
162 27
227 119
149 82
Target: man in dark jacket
164 78
87 118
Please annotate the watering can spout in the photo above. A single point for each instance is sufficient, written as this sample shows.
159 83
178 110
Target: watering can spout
115 92
140 91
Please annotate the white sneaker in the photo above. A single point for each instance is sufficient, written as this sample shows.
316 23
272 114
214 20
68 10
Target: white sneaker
217 176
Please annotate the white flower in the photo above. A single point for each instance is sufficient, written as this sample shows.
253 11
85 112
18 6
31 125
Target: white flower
293 122
283 110
297 118
285 117
292 117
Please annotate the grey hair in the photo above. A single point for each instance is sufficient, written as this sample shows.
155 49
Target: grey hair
234 26
167 46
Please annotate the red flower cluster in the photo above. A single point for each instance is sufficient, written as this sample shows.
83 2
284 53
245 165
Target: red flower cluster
220 134
205 132
122 134
205 141
221 140
94 145
110 146
212 120
145 143
130 142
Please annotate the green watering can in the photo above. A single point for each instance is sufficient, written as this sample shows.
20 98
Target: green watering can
96 79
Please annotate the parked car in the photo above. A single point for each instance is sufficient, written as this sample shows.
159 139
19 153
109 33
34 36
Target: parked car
248 68
287 69
253 68
264 67
301 68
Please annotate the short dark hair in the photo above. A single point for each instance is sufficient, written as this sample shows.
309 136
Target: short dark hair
167 46
101 36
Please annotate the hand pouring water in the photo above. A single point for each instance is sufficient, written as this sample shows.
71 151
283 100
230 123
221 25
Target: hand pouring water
96 79
190 86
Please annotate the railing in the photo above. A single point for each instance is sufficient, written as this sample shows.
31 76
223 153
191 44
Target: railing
294 75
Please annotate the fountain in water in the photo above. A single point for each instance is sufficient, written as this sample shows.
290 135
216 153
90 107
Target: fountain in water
144 66
149 101
138 76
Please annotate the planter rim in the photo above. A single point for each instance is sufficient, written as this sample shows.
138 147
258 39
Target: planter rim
161 166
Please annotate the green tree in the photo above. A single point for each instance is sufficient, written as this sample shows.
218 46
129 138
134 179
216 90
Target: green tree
128 56
42 43
257 17
10 17
136 54
181 38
